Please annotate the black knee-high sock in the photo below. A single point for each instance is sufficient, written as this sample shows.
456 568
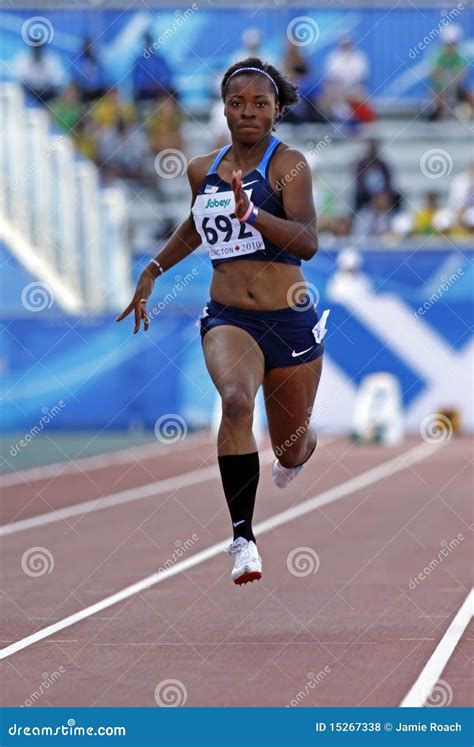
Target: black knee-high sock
240 474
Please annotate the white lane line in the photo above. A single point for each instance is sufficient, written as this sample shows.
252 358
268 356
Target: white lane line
433 669
97 461
183 480
384 470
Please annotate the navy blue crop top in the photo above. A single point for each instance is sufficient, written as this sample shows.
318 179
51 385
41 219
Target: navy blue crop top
225 238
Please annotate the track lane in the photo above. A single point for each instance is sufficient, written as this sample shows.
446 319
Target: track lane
124 638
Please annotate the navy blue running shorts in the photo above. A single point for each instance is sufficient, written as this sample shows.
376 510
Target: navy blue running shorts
286 336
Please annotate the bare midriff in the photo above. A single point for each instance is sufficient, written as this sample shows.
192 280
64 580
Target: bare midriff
255 285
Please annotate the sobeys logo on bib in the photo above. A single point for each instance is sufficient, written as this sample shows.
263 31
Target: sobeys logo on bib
221 232
214 203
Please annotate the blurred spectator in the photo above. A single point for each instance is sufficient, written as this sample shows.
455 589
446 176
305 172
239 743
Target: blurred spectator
467 221
348 282
347 69
151 73
375 219
373 176
448 74
423 218
342 226
67 108
217 126
456 219
251 40
443 222
164 126
402 226
334 228
111 108
40 72
294 63
84 139
296 67
123 151
461 192
252 46
88 73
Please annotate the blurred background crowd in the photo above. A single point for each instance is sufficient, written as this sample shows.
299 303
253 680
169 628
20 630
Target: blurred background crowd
124 134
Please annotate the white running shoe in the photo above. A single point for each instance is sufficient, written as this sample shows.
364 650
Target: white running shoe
247 561
281 476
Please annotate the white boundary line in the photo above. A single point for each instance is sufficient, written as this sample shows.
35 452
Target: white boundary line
371 476
97 461
431 672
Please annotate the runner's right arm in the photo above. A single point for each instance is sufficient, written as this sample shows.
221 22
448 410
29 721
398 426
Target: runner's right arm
185 238
183 242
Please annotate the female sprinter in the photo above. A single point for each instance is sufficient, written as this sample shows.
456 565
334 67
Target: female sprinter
252 209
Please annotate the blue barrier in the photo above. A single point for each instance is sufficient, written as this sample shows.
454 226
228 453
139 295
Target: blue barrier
109 378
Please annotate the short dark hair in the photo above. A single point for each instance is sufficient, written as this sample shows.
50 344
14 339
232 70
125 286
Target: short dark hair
287 91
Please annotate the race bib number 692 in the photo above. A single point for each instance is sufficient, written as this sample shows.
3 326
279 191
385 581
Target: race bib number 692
221 231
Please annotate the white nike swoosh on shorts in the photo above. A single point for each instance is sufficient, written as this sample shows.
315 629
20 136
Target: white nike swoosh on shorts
295 354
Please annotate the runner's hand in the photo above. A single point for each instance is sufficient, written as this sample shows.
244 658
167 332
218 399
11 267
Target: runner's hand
241 200
138 303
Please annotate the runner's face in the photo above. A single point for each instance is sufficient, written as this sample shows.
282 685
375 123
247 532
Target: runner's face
250 107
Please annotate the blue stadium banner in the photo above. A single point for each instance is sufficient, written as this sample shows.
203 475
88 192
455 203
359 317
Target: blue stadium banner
215 727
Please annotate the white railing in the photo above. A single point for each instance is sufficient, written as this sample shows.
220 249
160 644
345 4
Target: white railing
67 227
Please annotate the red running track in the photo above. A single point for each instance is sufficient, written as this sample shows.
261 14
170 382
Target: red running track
340 618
